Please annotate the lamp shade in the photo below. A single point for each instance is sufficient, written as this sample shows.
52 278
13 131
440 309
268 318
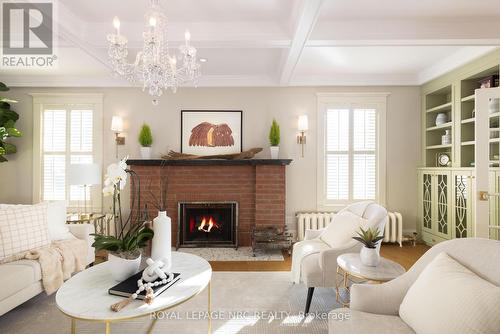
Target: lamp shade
303 123
117 124
84 174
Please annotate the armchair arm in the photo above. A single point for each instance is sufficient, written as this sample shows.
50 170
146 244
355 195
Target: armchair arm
328 261
83 231
380 298
312 234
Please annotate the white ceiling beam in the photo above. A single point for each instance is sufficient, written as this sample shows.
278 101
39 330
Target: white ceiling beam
451 62
307 18
404 42
16 80
406 31
70 29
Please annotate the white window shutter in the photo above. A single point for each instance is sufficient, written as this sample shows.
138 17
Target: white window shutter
364 176
54 177
81 130
60 127
54 130
350 154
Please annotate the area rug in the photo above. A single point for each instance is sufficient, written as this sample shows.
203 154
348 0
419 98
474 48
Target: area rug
242 302
231 254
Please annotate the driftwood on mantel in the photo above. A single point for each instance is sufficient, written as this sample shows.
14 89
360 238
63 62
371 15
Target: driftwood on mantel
249 154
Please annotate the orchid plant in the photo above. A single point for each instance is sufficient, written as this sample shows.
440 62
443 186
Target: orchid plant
129 238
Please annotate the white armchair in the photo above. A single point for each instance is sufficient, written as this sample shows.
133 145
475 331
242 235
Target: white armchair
314 261
375 307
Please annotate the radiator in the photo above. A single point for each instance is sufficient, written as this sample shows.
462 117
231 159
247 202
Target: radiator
393 231
312 221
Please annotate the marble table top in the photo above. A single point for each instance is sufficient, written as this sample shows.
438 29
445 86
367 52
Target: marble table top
85 295
385 271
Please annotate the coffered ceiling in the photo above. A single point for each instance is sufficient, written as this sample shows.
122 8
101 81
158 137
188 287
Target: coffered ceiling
281 42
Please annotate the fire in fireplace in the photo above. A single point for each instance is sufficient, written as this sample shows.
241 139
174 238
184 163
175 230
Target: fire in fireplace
207 224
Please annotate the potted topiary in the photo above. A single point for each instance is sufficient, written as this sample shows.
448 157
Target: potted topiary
369 253
146 140
274 139
8 118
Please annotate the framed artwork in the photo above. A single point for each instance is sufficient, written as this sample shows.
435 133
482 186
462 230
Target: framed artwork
211 132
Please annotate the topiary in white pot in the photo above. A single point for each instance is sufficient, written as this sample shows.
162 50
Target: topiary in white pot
146 140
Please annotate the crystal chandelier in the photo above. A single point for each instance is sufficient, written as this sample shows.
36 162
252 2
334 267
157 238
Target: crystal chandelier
154 66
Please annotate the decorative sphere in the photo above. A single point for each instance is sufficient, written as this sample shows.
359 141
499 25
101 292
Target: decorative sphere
155 102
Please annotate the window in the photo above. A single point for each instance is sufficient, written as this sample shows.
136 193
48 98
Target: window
67 131
351 157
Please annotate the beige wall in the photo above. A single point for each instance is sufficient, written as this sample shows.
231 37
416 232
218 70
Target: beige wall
259 106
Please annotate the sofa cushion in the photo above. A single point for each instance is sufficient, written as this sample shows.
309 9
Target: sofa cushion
449 298
15 276
346 321
342 228
56 221
22 228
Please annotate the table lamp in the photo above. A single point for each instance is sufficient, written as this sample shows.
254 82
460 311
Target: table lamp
84 175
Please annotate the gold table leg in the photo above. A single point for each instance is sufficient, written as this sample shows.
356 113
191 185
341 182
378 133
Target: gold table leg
150 329
344 283
73 326
210 307
108 327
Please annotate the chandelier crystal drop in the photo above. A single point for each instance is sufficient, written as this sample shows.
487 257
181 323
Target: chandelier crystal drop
155 66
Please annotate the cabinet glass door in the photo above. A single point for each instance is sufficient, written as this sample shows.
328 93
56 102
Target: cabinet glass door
462 205
427 197
442 226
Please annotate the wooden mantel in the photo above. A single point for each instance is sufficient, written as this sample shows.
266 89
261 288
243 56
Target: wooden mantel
207 162
257 185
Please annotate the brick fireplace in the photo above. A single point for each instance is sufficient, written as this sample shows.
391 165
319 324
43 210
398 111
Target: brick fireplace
256 186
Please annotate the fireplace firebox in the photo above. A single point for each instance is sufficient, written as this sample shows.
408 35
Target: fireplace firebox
207 224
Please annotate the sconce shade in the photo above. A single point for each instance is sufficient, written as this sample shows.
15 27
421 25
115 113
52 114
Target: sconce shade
117 124
303 123
84 174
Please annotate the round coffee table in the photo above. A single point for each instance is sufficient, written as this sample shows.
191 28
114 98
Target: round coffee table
349 266
85 295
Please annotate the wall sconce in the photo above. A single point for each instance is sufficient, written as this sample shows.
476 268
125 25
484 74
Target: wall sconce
303 126
117 127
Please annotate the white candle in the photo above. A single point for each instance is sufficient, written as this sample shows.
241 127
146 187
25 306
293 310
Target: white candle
116 24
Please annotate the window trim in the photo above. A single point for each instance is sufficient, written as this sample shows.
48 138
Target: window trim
40 100
340 100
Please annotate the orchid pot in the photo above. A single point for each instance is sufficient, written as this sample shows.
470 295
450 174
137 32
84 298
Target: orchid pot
124 265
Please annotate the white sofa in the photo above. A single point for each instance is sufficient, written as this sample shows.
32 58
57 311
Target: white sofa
375 308
22 280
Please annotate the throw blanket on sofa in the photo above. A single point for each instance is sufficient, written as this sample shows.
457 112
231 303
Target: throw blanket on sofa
59 260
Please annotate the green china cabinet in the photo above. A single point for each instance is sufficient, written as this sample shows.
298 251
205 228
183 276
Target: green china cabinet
446 191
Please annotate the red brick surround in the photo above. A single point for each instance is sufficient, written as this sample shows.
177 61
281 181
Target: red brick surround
259 189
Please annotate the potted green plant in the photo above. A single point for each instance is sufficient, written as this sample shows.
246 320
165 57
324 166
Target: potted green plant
8 118
369 253
124 248
146 140
274 139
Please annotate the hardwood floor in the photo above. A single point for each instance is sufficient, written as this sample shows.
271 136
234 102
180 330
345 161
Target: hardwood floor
406 256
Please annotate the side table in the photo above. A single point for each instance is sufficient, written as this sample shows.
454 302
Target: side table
349 266
97 219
